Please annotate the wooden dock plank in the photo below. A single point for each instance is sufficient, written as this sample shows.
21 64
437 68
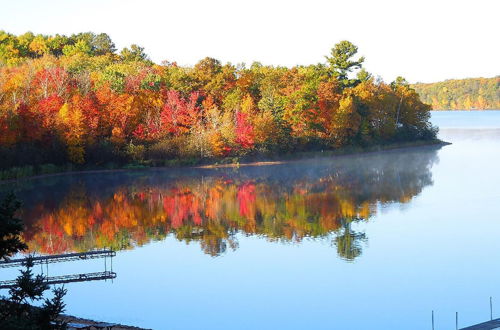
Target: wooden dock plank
490 325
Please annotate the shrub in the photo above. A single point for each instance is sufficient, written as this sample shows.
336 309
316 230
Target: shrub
135 152
169 148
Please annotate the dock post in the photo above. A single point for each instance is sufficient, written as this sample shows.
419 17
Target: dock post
456 320
105 266
491 309
432 320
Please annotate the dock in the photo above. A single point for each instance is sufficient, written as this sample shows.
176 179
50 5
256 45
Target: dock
59 258
490 325
106 275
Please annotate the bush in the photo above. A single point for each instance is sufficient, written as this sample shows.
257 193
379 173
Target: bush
135 152
170 148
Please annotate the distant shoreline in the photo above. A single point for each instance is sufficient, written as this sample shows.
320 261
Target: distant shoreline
257 160
469 94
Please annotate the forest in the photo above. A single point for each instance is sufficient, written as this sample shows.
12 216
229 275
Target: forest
77 100
462 94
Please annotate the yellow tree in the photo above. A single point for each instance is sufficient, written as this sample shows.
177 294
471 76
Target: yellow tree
72 129
346 120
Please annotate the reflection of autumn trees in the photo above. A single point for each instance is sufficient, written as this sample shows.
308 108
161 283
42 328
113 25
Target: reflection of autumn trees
285 203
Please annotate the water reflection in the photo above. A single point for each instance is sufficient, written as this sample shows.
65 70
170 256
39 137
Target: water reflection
319 198
45 260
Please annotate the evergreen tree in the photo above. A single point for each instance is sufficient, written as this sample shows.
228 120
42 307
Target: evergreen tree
342 62
16 311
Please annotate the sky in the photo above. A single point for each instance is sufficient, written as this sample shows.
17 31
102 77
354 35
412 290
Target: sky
423 41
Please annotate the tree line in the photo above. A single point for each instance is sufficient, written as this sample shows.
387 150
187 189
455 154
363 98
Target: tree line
77 99
461 94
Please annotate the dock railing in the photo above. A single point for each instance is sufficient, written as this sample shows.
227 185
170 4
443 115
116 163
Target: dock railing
48 259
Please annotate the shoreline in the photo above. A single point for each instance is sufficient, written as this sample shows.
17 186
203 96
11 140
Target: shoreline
306 155
74 320
254 160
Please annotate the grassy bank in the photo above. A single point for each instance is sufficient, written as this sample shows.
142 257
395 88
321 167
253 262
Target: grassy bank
16 173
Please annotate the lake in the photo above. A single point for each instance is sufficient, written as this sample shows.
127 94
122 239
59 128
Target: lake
369 241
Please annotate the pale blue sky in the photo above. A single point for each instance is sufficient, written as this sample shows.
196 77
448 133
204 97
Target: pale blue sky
426 40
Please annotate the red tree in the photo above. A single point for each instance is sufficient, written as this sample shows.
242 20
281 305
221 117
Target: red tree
178 114
244 131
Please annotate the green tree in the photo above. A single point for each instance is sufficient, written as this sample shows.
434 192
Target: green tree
399 82
23 43
135 53
342 62
81 47
102 44
17 311
57 43
10 228
364 75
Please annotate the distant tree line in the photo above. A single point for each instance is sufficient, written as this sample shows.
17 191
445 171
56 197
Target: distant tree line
75 99
462 94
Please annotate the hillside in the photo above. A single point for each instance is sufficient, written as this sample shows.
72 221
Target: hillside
461 94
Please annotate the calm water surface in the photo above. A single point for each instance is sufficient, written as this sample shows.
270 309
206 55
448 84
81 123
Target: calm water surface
374 241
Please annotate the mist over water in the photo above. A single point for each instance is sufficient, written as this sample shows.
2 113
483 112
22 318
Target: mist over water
373 241
317 198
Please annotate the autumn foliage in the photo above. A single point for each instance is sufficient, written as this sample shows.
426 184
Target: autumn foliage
74 99
462 94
